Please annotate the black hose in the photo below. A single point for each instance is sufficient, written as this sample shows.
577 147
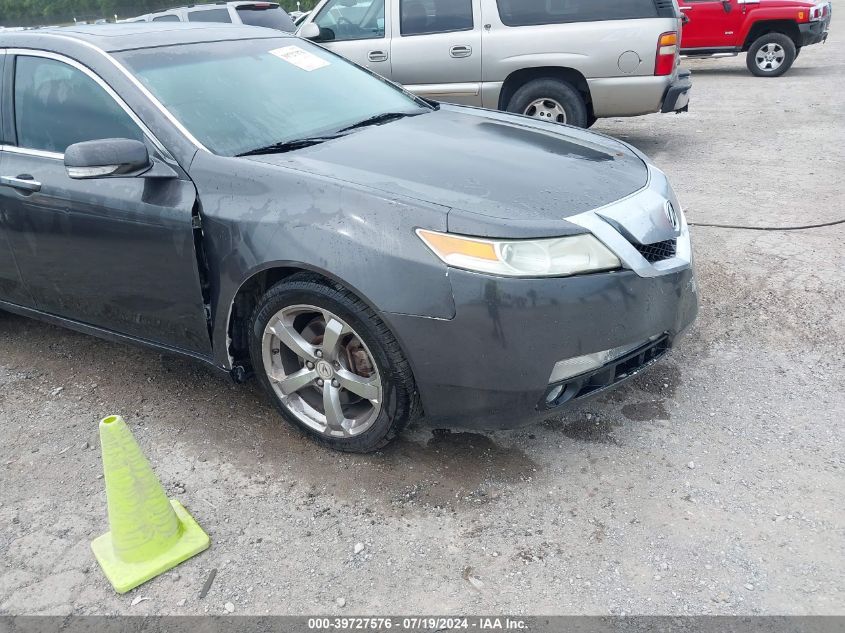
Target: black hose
769 228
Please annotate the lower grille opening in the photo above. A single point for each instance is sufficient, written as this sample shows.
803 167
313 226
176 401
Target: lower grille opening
658 251
607 376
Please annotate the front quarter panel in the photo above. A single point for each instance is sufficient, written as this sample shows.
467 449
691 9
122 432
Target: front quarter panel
258 216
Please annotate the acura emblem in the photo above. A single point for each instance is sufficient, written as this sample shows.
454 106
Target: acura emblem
674 220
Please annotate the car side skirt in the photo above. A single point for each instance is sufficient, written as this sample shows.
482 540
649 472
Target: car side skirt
107 335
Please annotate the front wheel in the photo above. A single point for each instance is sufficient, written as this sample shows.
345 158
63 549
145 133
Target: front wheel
552 100
771 55
330 365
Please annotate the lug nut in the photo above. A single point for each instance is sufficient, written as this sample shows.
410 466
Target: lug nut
335 383
309 364
319 382
319 353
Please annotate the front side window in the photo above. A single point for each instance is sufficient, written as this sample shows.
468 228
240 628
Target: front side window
57 105
532 12
351 20
238 96
423 17
210 15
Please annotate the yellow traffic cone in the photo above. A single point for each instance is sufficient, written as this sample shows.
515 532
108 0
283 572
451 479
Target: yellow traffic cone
149 534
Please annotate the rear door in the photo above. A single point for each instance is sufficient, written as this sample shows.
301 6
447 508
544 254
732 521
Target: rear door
360 31
11 284
712 24
436 49
114 253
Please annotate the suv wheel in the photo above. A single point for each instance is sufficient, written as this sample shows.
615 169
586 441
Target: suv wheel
771 55
550 100
331 365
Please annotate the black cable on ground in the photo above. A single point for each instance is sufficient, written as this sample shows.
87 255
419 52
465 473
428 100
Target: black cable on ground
769 228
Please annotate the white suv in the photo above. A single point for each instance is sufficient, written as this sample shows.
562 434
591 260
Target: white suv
570 61
267 14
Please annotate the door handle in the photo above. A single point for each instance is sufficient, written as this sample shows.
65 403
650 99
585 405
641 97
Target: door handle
460 51
377 56
23 182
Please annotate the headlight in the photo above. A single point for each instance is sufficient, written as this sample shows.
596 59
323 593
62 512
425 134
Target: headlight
556 257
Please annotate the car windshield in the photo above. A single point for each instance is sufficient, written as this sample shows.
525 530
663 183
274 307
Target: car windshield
240 96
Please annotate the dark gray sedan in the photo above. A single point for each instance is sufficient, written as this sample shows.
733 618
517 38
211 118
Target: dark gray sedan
258 203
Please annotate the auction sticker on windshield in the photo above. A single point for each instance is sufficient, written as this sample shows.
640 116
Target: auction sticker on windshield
300 58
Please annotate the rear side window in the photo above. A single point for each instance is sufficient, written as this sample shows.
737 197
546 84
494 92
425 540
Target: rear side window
57 105
166 18
266 15
210 15
532 12
424 17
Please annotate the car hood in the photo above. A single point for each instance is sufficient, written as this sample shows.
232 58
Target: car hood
498 174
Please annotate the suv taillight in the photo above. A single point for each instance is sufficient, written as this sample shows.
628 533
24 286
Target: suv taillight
667 53
818 12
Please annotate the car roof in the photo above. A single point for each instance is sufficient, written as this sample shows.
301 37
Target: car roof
134 35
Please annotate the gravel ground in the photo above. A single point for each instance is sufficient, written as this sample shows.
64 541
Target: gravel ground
713 484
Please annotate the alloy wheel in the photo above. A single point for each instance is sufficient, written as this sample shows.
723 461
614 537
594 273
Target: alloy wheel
546 110
770 56
322 371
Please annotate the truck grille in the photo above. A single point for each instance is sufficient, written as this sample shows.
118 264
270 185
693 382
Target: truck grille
658 251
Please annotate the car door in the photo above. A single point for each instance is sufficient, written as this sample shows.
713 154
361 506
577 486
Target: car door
360 31
436 49
712 24
113 253
12 289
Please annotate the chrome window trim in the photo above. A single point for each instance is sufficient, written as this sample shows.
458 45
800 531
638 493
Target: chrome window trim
14 149
33 52
631 258
136 82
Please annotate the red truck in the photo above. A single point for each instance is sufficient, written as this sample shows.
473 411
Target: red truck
772 32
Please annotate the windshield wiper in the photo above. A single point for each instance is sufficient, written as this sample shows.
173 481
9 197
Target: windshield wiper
288 146
379 119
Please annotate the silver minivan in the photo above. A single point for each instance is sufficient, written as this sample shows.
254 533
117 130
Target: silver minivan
570 61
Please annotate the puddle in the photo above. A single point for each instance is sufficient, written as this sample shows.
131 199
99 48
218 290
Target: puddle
646 411
587 430
420 469
448 471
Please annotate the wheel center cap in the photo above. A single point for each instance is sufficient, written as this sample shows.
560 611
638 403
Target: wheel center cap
325 370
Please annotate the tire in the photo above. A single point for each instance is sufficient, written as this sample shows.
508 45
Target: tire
364 339
771 55
559 97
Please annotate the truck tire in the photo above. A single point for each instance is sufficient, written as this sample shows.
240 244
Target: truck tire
552 100
330 365
771 55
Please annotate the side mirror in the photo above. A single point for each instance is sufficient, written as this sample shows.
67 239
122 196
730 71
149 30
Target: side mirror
309 31
726 4
107 158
